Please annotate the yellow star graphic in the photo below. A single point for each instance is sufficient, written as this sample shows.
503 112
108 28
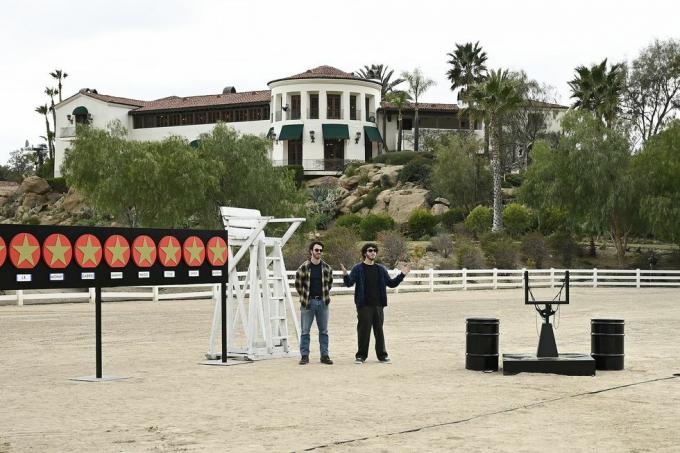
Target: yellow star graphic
58 251
25 251
194 252
218 253
117 253
89 251
2 247
170 251
144 252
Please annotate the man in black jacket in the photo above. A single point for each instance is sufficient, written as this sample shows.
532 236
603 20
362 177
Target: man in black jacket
370 298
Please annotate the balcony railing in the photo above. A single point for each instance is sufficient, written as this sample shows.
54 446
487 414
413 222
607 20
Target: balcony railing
370 117
314 164
334 114
355 115
68 131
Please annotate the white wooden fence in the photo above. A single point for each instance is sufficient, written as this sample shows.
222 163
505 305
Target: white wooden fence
418 280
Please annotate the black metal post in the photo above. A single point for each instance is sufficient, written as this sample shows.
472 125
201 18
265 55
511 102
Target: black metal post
566 284
223 291
98 328
526 285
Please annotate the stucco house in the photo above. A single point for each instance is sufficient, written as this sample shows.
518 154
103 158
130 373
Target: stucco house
319 118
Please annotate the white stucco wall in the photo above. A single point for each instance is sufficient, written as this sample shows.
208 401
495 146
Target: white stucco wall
192 132
281 92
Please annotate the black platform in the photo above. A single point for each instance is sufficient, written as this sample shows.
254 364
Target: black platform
566 364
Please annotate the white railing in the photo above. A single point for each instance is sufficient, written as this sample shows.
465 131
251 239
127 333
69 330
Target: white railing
418 280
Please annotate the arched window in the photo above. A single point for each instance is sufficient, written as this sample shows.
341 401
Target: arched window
82 115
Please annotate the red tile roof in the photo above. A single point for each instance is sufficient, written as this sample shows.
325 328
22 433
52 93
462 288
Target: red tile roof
114 99
324 72
209 100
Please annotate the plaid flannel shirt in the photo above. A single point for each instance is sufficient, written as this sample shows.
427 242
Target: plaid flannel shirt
303 281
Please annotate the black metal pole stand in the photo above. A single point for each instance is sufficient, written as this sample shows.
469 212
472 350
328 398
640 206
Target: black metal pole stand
223 292
98 328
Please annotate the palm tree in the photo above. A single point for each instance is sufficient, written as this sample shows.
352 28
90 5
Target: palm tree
467 69
399 99
599 90
492 99
418 84
51 92
45 110
59 75
383 74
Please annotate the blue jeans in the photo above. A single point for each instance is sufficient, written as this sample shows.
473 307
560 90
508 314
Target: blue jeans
315 308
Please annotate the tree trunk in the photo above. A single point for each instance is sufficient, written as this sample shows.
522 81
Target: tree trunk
494 144
620 238
54 123
416 132
49 137
399 135
593 250
384 131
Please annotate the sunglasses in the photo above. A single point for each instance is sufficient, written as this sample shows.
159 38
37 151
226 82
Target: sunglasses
318 250
372 250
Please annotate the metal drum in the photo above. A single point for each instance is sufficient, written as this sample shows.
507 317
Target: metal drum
481 344
606 343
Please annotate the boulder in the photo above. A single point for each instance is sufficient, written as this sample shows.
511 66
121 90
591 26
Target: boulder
403 202
439 209
392 172
440 200
73 203
328 181
32 200
34 184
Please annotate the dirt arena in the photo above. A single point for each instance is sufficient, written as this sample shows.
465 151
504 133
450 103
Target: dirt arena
424 400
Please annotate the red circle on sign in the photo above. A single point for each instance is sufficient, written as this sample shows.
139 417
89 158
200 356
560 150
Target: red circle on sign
3 251
88 251
217 251
193 251
116 251
169 251
24 251
144 251
57 251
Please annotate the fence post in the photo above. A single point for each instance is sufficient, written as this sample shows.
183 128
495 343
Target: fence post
495 278
92 294
637 277
431 272
154 292
552 277
595 277
465 279
20 297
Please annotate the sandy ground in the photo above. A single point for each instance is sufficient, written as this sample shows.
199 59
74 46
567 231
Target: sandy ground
424 401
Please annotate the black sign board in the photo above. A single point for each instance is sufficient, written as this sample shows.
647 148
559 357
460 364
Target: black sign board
37 256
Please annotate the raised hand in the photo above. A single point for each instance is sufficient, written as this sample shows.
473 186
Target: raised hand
405 268
344 270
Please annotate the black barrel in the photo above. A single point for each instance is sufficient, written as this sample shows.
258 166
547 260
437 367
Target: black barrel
481 344
606 343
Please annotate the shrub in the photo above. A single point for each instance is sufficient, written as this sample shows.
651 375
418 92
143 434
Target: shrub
417 171
351 168
468 254
479 220
58 184
517 219
341 247
443 244
374 223
295 252
563 245
368 201
551 220
514 180
385 181
534 249
400 157
32 220
499 250
322 220
393 247
452 217
298 173
350 221
421 222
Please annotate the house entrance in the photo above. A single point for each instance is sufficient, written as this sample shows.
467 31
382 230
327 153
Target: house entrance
334 154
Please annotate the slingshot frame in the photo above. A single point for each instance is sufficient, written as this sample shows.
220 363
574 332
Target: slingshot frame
547 347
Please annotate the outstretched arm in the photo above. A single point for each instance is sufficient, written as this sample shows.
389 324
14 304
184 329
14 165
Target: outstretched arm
348 278
394 282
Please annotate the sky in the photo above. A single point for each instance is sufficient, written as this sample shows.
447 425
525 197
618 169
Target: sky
146 50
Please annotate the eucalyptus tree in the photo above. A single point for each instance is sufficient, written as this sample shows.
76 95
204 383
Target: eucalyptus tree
599 90
383 74
467 69
51 92
651 97
59 75
400 100
493 99
418 84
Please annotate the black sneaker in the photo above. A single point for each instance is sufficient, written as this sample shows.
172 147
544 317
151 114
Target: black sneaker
304 360
327 360
384 360
359 360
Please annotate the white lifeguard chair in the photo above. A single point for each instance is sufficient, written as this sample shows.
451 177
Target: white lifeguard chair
259 306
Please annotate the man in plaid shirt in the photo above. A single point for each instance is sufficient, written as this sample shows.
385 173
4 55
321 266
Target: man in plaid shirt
313 281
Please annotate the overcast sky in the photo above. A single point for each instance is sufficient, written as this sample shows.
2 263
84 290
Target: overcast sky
152 49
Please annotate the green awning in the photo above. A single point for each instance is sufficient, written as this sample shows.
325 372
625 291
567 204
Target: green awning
372 134
80 111
335 131
195 143
291 132
269 134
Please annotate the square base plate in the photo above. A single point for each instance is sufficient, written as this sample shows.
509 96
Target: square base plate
568 364
229 362
96 379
